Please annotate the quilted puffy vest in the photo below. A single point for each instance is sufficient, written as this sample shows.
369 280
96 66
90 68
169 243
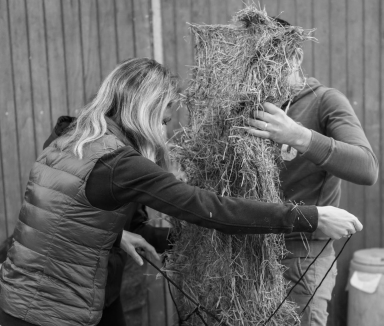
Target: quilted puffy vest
56 268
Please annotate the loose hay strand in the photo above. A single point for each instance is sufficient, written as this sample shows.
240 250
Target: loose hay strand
237 68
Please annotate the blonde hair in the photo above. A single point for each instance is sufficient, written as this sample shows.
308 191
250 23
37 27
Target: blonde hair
135 96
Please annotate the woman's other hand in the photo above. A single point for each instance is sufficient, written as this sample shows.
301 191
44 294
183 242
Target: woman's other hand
273 123
337 223
130 241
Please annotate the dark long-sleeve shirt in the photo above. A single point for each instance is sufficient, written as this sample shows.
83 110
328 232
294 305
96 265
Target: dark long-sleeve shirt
338 149
124 176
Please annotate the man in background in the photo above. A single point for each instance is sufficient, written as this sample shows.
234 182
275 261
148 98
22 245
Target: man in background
322 142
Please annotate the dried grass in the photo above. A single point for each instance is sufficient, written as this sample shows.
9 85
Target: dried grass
237 68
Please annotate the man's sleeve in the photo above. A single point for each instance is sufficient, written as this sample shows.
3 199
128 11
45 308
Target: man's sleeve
343 149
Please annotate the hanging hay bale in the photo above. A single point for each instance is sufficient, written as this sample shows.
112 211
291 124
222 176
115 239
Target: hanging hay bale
237 68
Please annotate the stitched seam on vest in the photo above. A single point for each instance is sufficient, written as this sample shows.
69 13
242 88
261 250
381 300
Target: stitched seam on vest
21 291
51 167
47 276
47 255
86 225
93 281
94 293
54 259
77 321
59 192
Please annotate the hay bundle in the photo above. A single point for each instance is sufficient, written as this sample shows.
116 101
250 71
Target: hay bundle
237 68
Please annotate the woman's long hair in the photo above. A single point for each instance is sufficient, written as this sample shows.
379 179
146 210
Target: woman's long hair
134 96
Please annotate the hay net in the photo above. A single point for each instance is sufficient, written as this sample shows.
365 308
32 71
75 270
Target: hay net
237 68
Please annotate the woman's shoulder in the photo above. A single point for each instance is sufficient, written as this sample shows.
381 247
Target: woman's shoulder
125 152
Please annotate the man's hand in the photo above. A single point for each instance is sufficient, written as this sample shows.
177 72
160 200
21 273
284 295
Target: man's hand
273 123
131 241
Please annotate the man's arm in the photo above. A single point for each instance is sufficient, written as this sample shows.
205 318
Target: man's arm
343 150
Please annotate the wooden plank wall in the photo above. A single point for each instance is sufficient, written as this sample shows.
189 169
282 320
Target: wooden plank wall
55 53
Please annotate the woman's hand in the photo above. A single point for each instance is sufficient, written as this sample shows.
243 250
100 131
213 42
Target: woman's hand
131 241
274 124
337 223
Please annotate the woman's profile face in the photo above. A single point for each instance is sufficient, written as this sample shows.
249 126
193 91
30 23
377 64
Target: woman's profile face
167 117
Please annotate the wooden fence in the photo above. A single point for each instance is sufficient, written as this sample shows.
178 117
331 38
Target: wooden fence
54 54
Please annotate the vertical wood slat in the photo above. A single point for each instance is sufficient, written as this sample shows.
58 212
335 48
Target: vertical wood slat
56 60
22 89
143 33
201 12
184 50
10 188
168 12
355 94
90 43
39 72
218 12
7 75
338 78
272 7
73 57
372 112
157 31
107 36
304 19
288 11
381 157
125 30
3 213
321 50
233 6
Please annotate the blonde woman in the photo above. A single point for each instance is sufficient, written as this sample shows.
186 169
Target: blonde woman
82 185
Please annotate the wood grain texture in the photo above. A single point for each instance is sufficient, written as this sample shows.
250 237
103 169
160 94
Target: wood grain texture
10 183
372 113
57 69
322 49
288 10
125 30
71 12
39 72
381 157
338 78
91 48
107 36
184 52
219 11
22 89
143 33
304 19
169 17
157 30
233 6
201 12
272 7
